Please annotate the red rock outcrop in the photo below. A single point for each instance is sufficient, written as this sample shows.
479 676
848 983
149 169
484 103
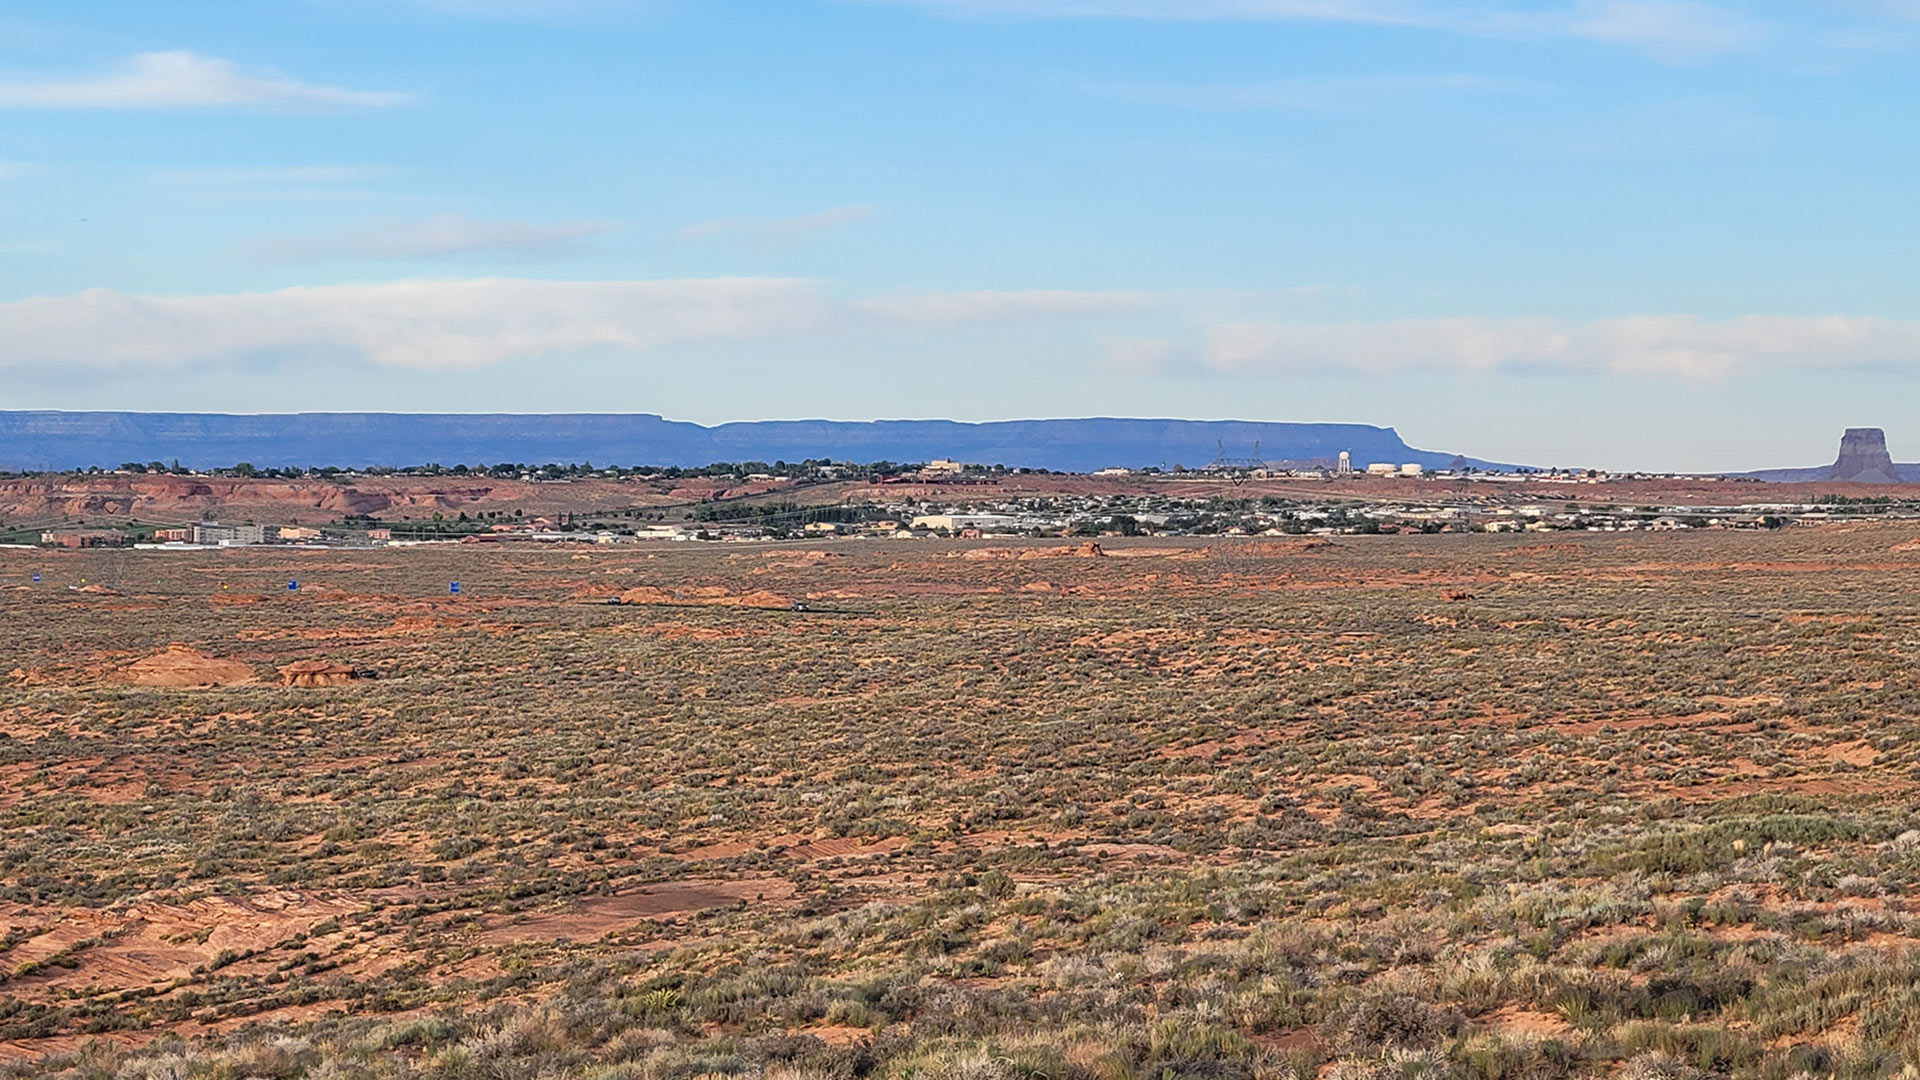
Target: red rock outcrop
315 673
184 498
184 666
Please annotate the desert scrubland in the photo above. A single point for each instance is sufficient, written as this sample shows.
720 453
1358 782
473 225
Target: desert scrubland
1455 805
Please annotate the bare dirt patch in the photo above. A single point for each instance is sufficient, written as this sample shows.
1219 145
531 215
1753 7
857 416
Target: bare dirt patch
596 917
1525 1023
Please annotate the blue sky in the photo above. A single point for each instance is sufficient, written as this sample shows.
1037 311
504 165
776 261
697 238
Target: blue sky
1634 233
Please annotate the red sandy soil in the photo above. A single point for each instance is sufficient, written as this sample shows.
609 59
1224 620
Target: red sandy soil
705 596
163 946
839 1034
185 666
153 944
799 847
1513 1020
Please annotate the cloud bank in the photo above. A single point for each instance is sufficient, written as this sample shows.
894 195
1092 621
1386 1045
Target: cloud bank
1653 345
463 324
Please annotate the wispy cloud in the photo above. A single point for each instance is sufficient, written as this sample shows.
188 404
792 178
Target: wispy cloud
1867 39
1341 95
185 80
443 237
14 170
775 232
1670 30
459 324
1651 345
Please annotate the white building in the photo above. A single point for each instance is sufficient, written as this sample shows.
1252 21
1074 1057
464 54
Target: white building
211 532
956 522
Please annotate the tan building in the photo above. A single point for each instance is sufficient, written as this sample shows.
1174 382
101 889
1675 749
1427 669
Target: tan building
83 538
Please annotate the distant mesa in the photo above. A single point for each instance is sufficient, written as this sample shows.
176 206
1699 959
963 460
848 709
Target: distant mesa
34 441
1863 459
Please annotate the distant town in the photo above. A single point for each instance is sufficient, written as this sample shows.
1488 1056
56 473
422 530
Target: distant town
951 499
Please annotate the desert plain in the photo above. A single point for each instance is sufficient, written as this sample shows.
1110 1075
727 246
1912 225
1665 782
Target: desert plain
1463 805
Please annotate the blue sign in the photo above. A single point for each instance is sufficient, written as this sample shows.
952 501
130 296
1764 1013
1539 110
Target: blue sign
455 589
36 577
293 586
